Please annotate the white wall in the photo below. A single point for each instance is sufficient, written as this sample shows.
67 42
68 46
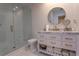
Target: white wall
40 15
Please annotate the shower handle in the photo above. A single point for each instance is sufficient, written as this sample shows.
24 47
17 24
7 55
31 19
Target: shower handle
11 28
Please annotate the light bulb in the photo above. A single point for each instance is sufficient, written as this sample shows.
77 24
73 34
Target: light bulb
16 7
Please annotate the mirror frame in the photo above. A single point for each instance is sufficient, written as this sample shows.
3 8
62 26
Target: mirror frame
52 11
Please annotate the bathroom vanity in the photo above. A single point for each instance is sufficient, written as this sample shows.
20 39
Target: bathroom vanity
59 38
57 43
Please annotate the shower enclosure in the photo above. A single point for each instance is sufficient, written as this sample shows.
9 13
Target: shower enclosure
11 27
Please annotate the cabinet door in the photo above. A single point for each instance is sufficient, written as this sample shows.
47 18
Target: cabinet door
54 43
69 38
69 46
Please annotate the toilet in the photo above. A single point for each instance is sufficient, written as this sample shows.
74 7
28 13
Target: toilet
32 44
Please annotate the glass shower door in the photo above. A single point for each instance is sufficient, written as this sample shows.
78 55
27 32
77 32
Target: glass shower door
6 36
18 28
11 31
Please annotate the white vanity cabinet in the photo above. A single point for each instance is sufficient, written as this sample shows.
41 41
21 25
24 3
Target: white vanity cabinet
58 43
69 41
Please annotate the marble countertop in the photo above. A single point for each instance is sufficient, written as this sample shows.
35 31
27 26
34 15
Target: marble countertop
76 32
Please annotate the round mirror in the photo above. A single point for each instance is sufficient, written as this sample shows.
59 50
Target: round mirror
56 15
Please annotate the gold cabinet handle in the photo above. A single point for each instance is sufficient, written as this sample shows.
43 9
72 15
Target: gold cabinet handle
68 38
67 45
53 37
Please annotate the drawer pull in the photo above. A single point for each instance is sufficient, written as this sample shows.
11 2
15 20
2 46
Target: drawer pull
53 37
41 36
53 43
68 38
67 45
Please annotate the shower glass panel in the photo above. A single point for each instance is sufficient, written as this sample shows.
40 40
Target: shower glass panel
18 26
11 31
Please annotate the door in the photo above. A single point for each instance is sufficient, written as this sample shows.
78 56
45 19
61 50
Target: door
18 28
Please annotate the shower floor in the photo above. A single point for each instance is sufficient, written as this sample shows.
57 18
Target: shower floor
25 52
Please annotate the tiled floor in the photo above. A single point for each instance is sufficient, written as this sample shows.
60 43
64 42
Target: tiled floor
24 52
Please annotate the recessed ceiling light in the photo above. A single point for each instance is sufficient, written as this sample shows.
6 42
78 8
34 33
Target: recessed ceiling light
16 7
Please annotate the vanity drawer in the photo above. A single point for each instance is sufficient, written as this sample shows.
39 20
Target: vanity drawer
55 43
70 46
42 41
54 37
41 35
49 36
69 38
